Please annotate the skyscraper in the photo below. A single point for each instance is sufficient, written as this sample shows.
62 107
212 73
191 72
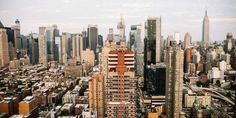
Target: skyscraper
152 49
121 28
77 46
85 40
50 34
46 40
174 81
137 45
121 84
110 35
58 49
4 51
187 40
93 37
154 39
65 47
100 40
16 29
205 31
96 94
42 46
32 48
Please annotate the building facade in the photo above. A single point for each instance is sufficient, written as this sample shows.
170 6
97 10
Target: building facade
4 50
121 84
174 81
96 94
205 31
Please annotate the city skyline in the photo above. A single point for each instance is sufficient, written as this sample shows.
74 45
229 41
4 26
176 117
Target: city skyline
182 16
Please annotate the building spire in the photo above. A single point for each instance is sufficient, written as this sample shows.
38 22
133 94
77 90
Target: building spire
206 12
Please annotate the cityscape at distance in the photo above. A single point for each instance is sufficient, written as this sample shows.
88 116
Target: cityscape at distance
117 59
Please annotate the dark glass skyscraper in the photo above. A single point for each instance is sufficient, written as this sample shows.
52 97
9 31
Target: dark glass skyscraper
92 37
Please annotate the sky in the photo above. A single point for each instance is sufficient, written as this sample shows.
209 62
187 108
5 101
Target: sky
73 16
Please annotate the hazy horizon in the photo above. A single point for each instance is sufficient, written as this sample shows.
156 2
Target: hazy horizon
75 15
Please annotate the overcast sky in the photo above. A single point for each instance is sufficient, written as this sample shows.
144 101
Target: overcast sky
74 15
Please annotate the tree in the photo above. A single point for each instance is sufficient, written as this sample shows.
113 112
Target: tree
198 83
65 112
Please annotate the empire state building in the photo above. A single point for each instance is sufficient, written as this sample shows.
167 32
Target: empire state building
205 31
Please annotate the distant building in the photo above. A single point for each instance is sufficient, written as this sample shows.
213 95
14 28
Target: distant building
88 56
205 31
187 40
42 46
58 52
92 37
11 42
17 37
229 44
4 50
174 81
136 44
152 43
77 46
100 40
187 59
65 48
50 34
32 48
74 69
110 35
85 40
121 28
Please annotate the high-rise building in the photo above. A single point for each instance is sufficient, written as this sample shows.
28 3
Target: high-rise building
58 54
17 37
66 47
187 59
110 35
96 94
156 79
205 31
174 81
177 37
187 40
121 28
42 46
77 46
4 50
50 34
85 40
92 37
229 42
32 48
121 84
100 40
11 43
137 45
152 49
154 38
